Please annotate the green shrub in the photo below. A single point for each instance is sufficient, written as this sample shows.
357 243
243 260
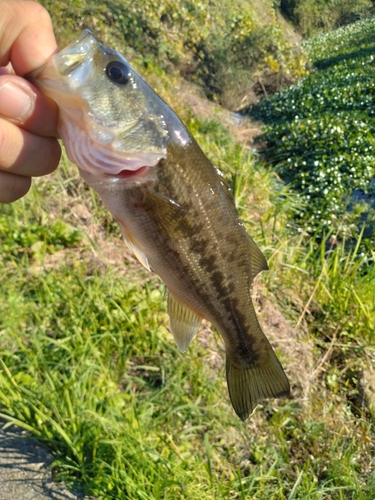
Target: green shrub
311 16
216 45
320 133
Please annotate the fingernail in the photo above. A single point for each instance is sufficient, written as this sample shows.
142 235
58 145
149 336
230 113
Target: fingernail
15 102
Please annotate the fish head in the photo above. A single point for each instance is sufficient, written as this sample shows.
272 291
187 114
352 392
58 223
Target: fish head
111 122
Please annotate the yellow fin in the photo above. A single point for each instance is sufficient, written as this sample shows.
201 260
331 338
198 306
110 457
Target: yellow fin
249 385
141 256
257 259
183 321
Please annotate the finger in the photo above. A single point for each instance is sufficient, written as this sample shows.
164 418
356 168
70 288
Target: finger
26 154
22 104
13 187
26 35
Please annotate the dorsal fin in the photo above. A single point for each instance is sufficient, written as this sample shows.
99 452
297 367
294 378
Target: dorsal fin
183 321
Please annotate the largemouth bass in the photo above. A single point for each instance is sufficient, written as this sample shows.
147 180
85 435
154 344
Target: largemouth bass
174 207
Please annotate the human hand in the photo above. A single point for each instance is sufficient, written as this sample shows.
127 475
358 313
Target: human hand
28 120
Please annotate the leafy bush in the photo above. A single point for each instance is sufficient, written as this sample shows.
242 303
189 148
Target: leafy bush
323 15
321 132
215 45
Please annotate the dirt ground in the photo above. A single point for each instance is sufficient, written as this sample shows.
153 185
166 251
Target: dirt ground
25 472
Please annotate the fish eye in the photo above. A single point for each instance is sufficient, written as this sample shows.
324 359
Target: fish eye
118 72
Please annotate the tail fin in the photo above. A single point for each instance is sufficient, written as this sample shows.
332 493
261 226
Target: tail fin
249 384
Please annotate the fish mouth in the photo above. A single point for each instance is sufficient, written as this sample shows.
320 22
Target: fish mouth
74 61
129 175
75 54
141 176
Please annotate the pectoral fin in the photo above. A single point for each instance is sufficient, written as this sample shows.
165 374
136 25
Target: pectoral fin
133 247
172 219
183 321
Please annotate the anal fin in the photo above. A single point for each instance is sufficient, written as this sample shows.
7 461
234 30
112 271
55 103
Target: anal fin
183 321
257 259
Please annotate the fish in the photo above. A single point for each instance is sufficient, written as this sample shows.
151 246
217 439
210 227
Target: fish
175 209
